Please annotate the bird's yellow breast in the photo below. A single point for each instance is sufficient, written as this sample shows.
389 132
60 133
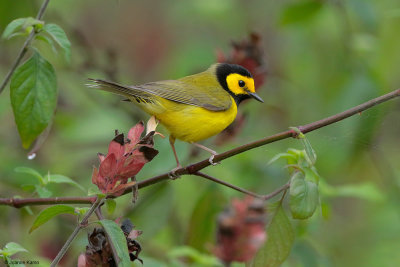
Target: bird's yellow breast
192 123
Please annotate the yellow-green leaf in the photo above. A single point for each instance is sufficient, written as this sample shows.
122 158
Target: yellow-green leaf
47 214
279 242
12 248
19 26
304 197
58 34
118 239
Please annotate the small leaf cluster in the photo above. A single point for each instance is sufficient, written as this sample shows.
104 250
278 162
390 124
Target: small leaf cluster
9 250
33 86
304 179
304 199
42 182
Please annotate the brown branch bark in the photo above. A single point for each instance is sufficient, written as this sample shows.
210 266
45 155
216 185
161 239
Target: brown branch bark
247 192
193 169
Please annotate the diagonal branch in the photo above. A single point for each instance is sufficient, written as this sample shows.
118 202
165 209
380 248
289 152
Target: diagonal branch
196 167
247 192
82 224
191 169
24 48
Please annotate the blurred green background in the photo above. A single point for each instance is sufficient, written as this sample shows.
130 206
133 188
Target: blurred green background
322 57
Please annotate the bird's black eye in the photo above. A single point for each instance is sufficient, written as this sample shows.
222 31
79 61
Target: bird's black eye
241 83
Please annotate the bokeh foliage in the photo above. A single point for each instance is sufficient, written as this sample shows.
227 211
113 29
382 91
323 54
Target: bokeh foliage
322 57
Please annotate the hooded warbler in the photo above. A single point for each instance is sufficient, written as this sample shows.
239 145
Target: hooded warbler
194 107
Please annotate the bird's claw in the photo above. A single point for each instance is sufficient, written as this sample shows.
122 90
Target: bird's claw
173 175
211 160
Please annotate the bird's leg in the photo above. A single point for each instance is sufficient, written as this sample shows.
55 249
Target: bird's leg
172 175
213 153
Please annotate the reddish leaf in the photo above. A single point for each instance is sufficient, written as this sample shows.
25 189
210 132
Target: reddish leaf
135 132
108 166
124 160
116 147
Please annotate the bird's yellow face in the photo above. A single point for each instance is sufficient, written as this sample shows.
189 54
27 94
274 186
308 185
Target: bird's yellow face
237 81
239 84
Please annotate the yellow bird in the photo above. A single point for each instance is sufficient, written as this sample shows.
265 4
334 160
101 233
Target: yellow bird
194 107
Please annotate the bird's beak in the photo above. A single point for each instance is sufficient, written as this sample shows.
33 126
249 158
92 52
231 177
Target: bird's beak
255 96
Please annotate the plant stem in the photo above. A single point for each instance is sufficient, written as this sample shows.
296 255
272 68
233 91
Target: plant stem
234 187
81 225
247 192
24 48
21 202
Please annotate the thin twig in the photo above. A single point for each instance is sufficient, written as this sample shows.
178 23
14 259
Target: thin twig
242 190
24 48
277 191
193 168
71 238
234 187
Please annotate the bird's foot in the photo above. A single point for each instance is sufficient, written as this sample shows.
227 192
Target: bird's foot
211 160
173 175
209 150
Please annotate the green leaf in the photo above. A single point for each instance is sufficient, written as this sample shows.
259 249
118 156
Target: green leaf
304 197
28 210
279 243
95 191
58 178
32 172
310 155
286 156
19 26
300 11
28 187
110 205
58 34
33 92
47 214
118 239
42 191
11 249
81 211
311 174
48 40
298 156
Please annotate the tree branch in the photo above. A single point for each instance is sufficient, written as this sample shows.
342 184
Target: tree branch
21 202
23 50
82 224
247 192
196 167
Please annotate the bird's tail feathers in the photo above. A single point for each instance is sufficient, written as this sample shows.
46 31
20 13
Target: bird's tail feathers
110 87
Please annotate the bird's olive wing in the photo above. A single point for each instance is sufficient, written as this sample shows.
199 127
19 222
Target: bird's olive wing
208 95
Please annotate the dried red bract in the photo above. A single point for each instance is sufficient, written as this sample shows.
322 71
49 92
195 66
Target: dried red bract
241 230
99 252
249 54
125 158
